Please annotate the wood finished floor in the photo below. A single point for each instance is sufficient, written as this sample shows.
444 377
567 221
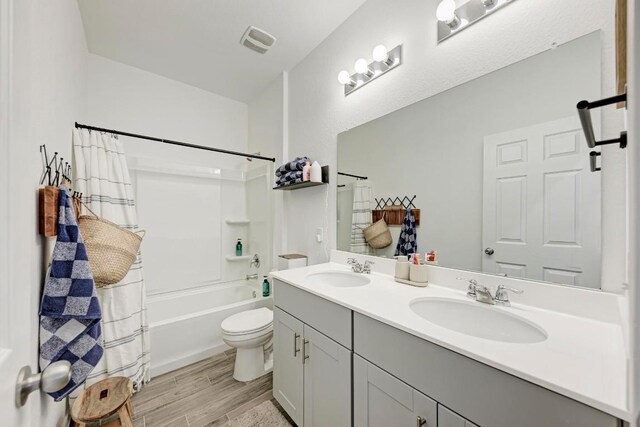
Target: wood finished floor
198 395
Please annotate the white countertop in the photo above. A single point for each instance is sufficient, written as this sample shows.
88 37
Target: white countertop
582 358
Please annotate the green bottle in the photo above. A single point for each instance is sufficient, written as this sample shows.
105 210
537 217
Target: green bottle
239 247
266 287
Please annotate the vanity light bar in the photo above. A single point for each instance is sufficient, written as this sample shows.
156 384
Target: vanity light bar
383 62
452 20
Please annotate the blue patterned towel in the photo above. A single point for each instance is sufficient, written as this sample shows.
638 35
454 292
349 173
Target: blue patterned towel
70 311
407 242
294 165
289 178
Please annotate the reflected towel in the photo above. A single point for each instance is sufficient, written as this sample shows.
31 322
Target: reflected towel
407 242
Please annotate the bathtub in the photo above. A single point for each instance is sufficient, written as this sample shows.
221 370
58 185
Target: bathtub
185 327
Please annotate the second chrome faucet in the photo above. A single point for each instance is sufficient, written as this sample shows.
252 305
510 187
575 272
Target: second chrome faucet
483 294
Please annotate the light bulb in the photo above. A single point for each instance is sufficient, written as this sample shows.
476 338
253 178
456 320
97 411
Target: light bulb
380 53
446 11
344 77
361 66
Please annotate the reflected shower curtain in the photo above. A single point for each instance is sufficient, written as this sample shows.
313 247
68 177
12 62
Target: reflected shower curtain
102 176
361 217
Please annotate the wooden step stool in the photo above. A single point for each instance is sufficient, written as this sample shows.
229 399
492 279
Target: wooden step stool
104 399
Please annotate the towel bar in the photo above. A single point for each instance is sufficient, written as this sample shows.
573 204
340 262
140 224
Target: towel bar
593 161
584 113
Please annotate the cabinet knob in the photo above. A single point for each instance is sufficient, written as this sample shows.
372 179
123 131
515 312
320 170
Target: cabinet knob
420 421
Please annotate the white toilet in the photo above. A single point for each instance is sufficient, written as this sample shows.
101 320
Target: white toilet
250 332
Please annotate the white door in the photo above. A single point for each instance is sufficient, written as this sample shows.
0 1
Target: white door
287 364
327 381
541 205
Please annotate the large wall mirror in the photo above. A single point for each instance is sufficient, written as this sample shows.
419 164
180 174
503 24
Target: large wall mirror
499 169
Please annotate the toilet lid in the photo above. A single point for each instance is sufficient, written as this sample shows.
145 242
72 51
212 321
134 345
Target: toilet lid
248 321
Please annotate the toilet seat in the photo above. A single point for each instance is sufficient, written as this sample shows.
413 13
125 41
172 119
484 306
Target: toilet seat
250 322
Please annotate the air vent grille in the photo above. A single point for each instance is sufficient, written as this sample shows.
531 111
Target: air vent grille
257 40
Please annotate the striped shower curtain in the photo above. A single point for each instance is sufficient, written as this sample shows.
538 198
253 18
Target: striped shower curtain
101 175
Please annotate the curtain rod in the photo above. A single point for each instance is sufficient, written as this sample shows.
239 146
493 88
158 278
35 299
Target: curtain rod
172 142
352 176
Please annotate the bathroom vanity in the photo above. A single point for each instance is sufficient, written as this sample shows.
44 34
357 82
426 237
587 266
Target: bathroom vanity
361 350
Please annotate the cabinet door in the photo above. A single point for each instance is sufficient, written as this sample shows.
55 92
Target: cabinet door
381 400
287 364
448 418
327 381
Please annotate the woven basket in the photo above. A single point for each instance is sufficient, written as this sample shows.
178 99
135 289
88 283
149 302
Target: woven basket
111 249
378 235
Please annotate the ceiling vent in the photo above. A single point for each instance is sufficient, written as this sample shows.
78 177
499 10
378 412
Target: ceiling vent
257 40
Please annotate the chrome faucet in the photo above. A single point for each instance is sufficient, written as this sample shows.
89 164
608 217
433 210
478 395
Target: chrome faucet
255 261
252 276
483 294
356 267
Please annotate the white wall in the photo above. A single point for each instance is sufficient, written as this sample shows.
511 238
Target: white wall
129 99
434 148
126 98
319 110
48 95
266 135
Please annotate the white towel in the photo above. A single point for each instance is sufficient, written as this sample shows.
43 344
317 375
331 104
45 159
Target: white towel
361 217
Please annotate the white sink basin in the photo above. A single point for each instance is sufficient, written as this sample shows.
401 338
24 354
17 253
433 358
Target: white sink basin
340 279
478 320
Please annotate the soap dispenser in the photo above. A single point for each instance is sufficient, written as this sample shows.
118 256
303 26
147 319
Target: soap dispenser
316 172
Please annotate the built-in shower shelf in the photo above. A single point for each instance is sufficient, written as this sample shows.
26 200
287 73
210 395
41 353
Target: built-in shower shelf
237 221
234 258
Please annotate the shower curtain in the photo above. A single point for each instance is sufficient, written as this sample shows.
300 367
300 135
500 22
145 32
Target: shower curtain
361 217
102 176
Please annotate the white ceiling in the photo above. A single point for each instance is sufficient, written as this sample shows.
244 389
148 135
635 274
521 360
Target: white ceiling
198 41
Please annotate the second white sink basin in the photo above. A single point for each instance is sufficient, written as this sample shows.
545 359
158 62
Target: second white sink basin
478 320
340 279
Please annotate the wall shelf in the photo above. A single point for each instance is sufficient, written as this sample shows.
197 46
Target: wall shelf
234 258
325 181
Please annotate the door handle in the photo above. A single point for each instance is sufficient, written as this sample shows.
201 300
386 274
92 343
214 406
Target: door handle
489 251
420 421
305 355
54 378
296 350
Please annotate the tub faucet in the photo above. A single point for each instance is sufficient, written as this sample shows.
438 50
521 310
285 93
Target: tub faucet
255 261
252 276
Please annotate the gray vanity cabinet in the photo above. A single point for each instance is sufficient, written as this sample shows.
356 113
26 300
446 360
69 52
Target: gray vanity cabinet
288 375
448 418
380 400
312 367
327 381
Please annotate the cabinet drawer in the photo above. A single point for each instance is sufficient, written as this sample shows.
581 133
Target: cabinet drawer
330 319
482 394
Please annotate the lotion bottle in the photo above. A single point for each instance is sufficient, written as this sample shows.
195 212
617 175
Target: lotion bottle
306 172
